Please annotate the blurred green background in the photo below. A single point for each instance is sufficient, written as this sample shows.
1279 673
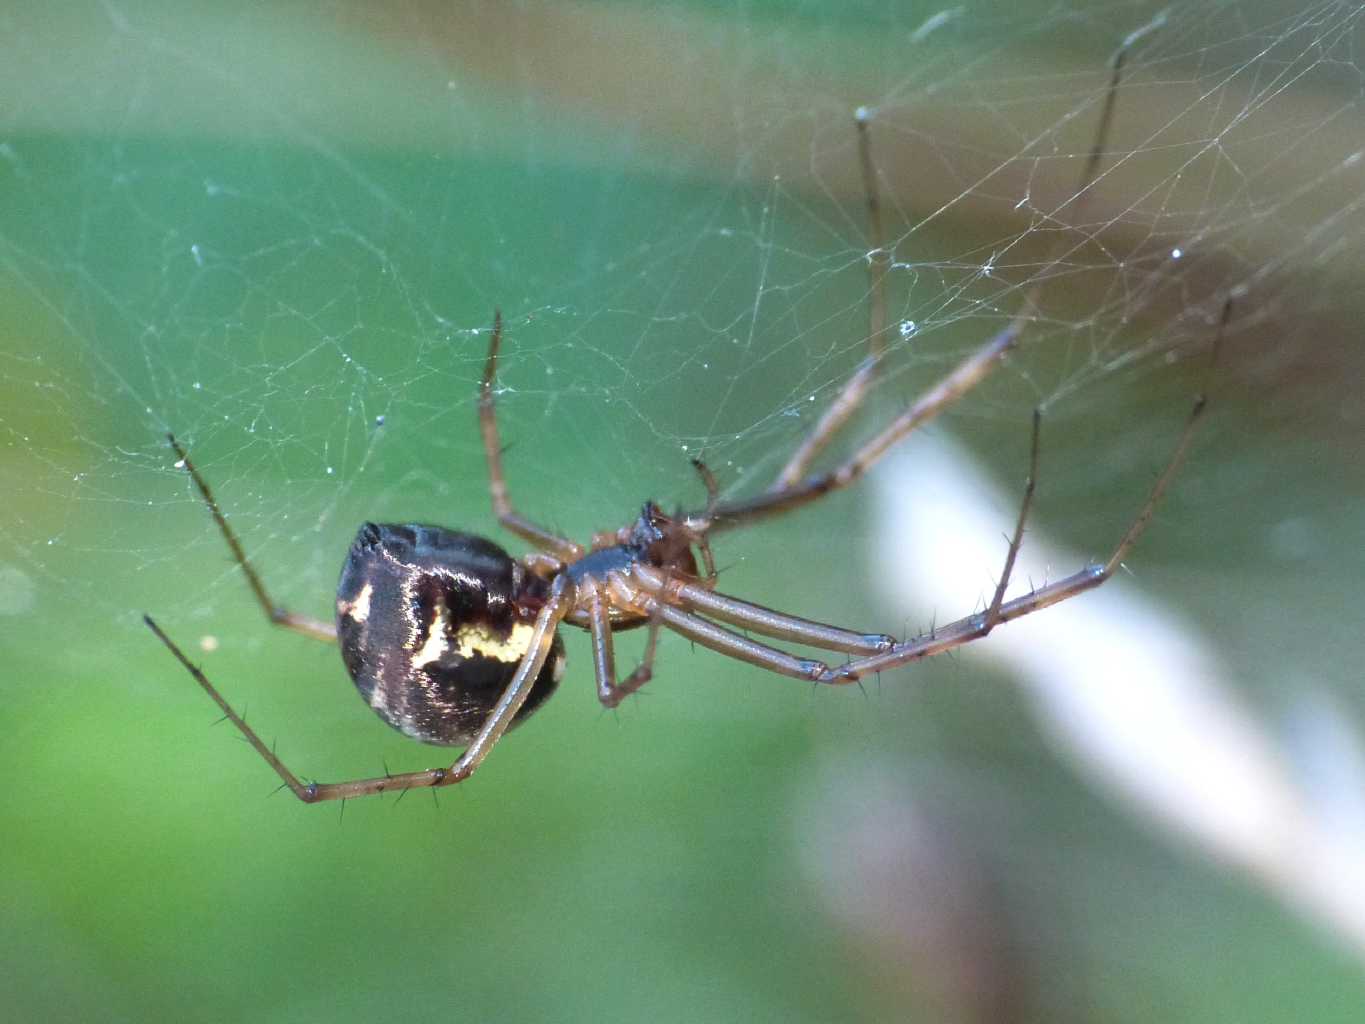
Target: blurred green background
281 232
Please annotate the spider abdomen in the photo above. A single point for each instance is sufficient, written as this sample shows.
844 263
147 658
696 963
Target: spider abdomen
433 624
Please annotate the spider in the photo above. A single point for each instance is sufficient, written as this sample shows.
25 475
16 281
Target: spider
452 641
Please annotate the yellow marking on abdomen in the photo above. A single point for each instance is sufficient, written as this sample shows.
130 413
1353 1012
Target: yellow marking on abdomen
359 609
474 640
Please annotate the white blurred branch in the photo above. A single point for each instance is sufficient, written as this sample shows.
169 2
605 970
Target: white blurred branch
1133 695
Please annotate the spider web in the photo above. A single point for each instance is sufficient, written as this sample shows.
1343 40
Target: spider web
285 242
281 231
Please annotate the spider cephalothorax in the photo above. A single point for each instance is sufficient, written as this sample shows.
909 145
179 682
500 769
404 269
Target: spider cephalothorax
451 640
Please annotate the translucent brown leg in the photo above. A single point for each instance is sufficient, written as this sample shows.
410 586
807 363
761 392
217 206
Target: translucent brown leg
756 618
700 540
993 611
973 627
967 375
792 489
651 593
497 483
610 691
655 595
498 719
848 400
542 564
305 624
717 638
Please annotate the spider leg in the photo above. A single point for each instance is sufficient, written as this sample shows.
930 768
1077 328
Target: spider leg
700 540
848 399
610 691
792 488
756 618
497 483
973 627
1017 540
651 593
542 564
970 372
718 638
305 624
513 697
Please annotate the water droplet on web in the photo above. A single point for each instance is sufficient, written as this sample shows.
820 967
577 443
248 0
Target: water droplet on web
1177 253
908 329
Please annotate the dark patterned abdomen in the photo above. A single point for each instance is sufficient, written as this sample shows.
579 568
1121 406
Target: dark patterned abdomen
433 624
